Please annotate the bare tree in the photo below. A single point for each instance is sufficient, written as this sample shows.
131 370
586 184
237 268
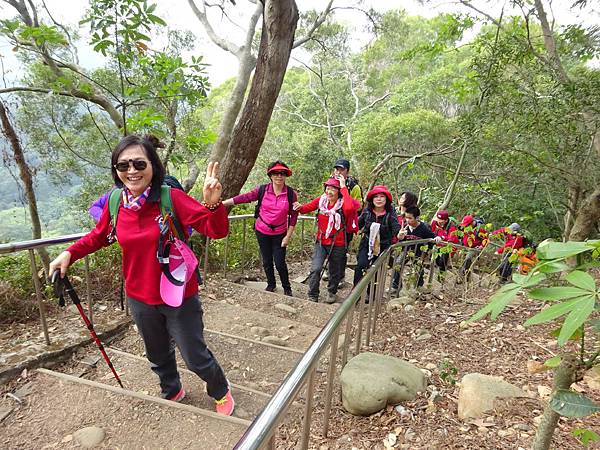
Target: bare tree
26 175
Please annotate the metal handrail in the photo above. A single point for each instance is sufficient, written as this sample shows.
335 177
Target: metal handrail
263 427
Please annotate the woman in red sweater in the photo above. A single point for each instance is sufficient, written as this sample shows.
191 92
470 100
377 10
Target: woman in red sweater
138 170
336 209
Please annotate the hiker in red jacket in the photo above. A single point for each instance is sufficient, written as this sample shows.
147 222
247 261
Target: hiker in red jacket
513 241
474 237
442 226
138 171
336 214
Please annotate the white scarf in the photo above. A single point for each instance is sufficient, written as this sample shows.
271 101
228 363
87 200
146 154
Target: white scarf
374 240
335 220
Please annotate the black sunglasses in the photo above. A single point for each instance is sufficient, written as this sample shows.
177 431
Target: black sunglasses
279 173
138 164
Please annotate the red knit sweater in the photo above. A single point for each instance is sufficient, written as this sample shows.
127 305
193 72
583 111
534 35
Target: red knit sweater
349 208
137 233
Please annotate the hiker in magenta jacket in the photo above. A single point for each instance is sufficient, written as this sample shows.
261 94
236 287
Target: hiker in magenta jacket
138 170
335 211
445 228
275 223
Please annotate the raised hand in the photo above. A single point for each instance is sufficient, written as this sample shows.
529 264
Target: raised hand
212 188
341 179
296 206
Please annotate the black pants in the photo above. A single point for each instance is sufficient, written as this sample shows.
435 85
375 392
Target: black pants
505 270
159 326
442 261
336 267
271 250
470 257
362 259
397 281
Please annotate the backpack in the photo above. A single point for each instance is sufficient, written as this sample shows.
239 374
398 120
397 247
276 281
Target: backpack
478 221
350 183
166 208
261 193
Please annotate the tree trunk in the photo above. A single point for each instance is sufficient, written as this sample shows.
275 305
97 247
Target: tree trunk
233 108
573 200
279 26
450 191
567 373
586 223
26 176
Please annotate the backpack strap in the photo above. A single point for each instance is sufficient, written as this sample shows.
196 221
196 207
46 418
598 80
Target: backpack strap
114 204
166 209
261 193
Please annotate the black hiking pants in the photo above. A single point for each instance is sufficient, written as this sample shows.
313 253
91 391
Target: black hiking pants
272 251
161 326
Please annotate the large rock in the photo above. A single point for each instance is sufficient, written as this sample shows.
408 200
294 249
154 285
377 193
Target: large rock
478 393
371 381
89 437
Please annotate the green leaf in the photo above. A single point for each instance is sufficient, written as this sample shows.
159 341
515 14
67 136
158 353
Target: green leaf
552 267
582 280
585 436
556 293
582 310
500 300
595 323
529 280
556 250
572 404
551 313
553 362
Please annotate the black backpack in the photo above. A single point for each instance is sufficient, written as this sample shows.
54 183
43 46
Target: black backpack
261 193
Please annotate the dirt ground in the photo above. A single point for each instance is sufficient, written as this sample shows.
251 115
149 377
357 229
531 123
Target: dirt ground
502 348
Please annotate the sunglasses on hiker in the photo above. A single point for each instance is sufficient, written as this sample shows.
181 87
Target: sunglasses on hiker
283 174
138 164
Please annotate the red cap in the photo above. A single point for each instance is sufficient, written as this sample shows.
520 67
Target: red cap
379 189
442 214
467 220
279 168
332 182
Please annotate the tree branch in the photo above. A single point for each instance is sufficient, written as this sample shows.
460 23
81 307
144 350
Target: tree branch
201 15
318 22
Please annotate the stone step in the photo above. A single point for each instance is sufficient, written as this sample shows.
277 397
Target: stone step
252 295
251 324
60 404
250 366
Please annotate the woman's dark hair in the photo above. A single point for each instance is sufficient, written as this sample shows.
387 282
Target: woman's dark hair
150 144
410 199
414 211
274 163
388 204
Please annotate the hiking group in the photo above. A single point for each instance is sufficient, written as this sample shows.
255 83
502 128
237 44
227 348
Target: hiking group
151 217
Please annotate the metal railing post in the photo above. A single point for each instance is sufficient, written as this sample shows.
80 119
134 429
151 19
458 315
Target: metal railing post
225 254
370 315
361 319
330 375
86 261
377 297
206 248
243 257
347 339
38 294
310 387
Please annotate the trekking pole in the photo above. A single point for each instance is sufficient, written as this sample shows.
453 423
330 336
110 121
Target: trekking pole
62 285
329 254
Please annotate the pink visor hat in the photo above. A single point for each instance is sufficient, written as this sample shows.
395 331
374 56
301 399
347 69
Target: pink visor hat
178 264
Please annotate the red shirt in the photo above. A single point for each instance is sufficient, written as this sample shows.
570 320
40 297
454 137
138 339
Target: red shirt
349 209
448 233
510 241
137 233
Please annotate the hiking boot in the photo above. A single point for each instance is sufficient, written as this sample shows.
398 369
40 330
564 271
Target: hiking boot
270 288
331 298
288 292
178 397
225 405
313 299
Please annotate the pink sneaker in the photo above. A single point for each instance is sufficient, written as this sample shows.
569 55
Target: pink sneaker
179 396
225 405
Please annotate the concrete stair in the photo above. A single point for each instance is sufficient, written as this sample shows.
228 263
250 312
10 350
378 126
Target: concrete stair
257 337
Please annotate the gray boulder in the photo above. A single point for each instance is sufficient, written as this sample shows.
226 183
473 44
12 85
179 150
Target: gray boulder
370 382
89 437
478 393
